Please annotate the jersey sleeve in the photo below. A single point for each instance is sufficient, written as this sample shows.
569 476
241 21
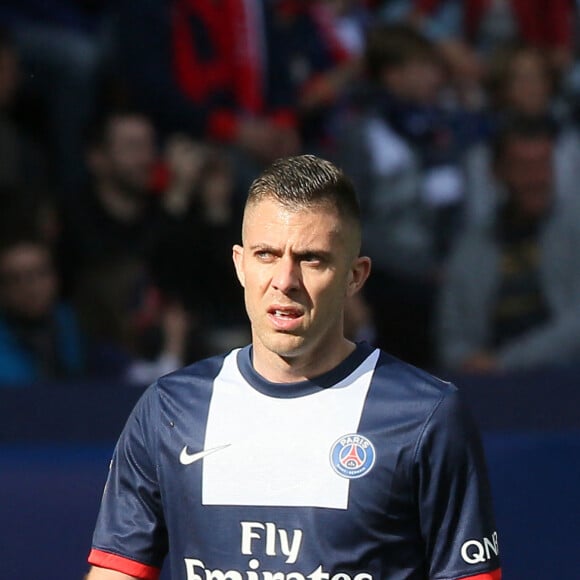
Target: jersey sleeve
130 534
454 497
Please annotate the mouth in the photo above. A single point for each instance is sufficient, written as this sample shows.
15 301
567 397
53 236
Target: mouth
284 312
285 318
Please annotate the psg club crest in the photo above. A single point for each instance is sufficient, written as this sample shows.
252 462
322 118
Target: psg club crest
352 456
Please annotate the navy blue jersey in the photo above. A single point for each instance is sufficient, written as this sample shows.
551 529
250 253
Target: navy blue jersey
372 471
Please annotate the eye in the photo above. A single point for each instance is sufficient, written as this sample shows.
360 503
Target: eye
311 258
264 255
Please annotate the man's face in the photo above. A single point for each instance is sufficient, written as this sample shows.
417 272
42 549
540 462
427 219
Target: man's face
297 268
28 284
128 155
526 168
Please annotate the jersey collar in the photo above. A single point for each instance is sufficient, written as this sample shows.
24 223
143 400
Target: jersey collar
301 388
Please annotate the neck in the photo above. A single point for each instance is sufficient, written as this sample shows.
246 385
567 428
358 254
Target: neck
291 369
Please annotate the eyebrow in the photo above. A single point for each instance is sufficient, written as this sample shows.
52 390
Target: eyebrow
263 247
324 254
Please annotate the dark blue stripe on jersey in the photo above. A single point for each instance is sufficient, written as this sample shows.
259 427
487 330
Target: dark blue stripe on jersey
301 388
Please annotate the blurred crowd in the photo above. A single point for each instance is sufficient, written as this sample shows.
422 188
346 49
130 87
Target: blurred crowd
130 131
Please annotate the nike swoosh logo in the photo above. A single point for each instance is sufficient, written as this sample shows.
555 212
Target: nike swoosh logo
186 458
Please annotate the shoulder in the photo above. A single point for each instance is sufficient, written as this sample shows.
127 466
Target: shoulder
406 385
410 377
194 378
439 426
183 393
419 410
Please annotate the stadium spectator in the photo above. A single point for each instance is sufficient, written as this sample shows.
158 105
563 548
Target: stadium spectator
484 25
400 147
202 220
520 81
116 215
241 73
511 297
489 23
107 236
39 336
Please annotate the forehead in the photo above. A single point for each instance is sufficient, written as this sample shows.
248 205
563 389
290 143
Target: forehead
269 221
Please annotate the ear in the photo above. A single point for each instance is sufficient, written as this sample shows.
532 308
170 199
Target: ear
238 258
359 272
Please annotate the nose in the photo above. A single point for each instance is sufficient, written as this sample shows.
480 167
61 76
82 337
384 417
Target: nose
286 275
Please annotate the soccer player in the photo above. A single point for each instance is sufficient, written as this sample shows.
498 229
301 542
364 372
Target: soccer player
303 455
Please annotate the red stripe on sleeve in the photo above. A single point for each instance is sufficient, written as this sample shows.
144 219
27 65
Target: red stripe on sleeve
495 575
124 565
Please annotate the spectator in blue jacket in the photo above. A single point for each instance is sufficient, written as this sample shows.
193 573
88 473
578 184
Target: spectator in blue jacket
39 337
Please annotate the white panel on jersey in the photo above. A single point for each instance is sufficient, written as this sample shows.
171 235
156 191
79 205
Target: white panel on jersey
279 448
